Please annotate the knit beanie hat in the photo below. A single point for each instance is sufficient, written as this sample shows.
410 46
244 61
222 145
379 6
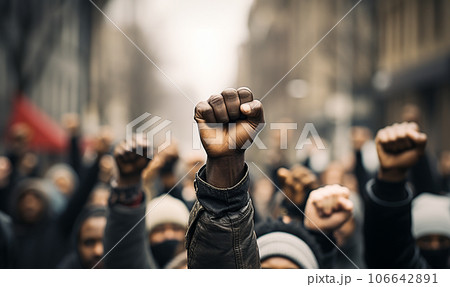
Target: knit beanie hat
431 215
282 244
166 209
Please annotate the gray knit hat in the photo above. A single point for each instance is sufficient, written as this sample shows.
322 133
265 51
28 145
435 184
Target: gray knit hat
431 215
286 245
166 209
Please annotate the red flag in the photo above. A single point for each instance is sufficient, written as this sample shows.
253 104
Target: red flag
46 135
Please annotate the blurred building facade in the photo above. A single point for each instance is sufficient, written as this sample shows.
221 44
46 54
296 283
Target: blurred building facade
319 88
381 56
414 63
45 52
67 57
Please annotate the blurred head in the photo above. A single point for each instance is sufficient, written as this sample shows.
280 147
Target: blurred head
166 227
31 206
20 135
431 228
285 246
90 237
31 201
99 196
63 177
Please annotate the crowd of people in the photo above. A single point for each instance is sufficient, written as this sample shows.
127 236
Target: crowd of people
109 207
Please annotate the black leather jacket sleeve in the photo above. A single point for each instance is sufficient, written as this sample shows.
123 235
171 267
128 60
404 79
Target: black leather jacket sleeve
387 228
221 228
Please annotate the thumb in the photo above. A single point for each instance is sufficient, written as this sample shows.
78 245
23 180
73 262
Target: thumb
253 111
283 174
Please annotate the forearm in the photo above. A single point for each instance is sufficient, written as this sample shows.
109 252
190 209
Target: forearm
125 224
387 229
226 171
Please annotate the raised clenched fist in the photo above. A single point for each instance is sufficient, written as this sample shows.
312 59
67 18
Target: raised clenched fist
399 147
129 163
328 208
297 182
229 122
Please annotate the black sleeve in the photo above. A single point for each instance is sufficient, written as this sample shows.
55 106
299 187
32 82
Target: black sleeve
387 228
125 240
77 201
75 155
221 228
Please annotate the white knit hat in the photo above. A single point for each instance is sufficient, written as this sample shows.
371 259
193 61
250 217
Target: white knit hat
431 215
288 246
166 209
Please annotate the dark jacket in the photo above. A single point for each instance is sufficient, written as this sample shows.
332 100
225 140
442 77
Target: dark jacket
42 245
389 242
125 241
73 259
221 228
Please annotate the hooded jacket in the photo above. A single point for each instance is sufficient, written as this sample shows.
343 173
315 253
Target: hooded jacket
73 259
44 243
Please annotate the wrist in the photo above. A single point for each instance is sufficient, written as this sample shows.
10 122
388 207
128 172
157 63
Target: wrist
124 182
392 175
225 171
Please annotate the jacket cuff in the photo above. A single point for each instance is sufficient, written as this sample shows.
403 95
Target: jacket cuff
222 200
131 196
389 194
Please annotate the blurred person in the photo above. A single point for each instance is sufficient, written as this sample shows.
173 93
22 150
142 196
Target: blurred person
166 225
431 228
41 232
24 162
127 208
392 240
286 246
153 243
293 246
99 195
88 240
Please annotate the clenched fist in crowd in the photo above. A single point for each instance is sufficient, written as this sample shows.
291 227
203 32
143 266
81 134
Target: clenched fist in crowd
129 163
399 147
297 182
228 124
328 208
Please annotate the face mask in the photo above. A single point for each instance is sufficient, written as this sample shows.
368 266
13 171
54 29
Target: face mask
437 258
163 252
